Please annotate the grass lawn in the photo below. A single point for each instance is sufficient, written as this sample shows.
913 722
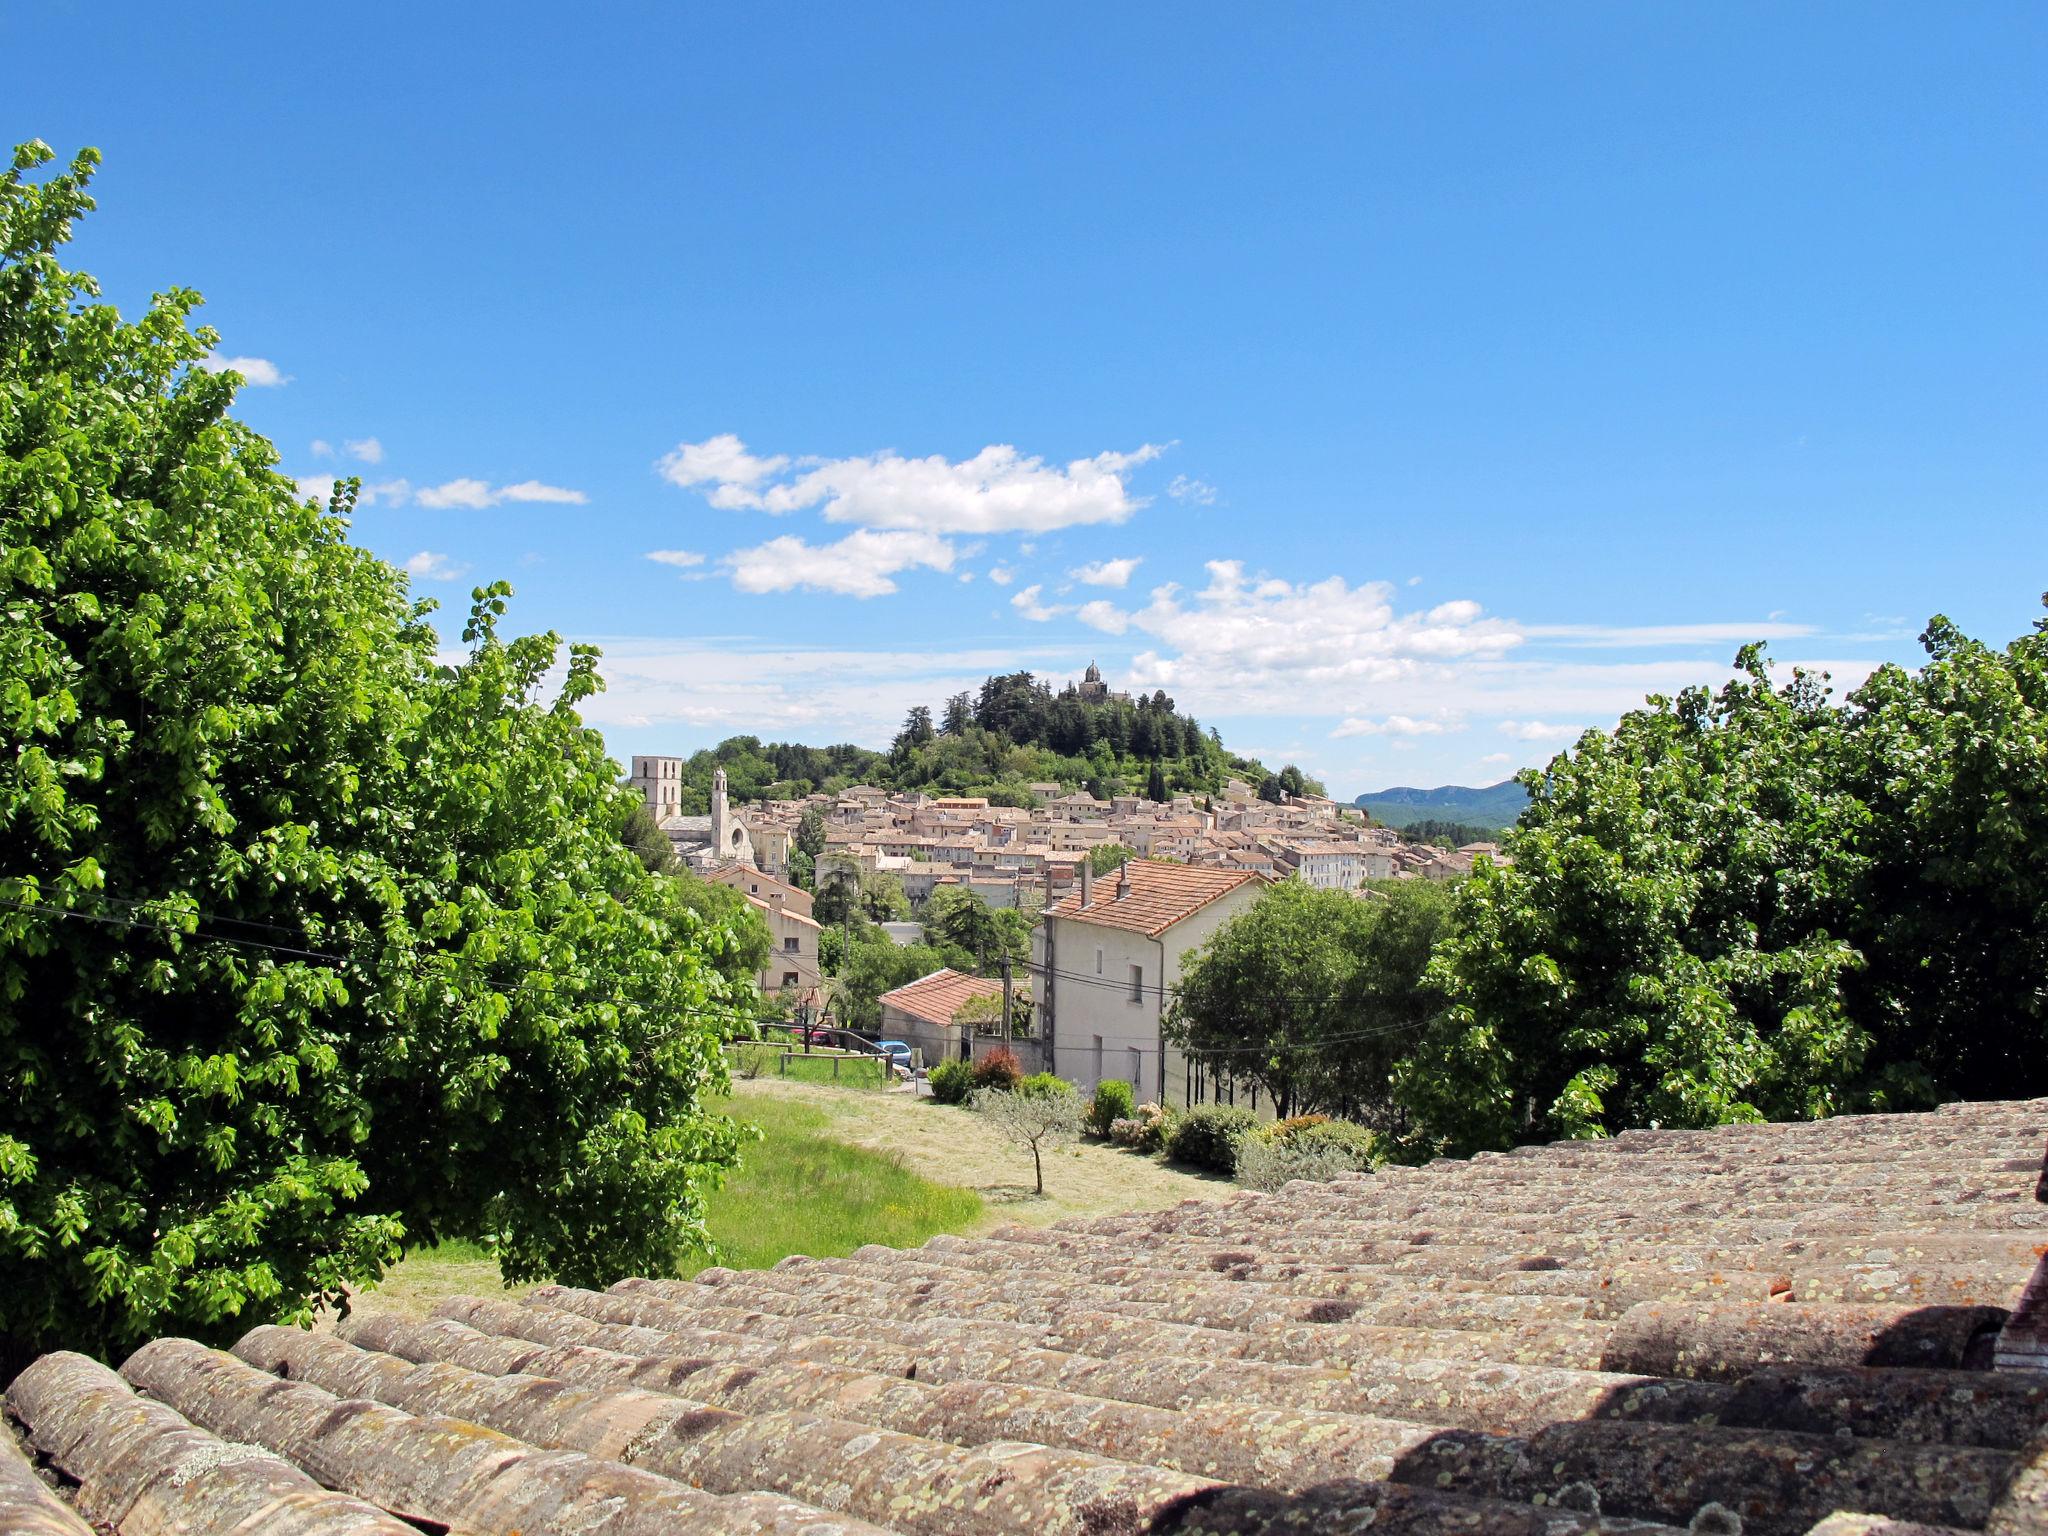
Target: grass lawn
800 1191
832 1068
797 1190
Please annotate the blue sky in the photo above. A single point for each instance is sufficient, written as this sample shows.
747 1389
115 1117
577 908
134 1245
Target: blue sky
1400 387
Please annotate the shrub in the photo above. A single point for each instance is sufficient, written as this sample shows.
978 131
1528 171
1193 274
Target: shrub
751 1058
1362 1146
999 1070
1158 1124
952 1080
1039 1084
1113 1102
1208 1136
1267 1165
1148 1129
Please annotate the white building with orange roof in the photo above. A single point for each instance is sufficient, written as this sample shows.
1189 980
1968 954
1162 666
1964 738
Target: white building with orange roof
1104 963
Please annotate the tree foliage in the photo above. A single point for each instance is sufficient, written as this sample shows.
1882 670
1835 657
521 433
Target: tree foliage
1757 902
311 947
1313 995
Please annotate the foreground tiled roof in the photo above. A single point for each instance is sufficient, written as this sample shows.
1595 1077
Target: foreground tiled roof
937 997
1762 1329
1159 895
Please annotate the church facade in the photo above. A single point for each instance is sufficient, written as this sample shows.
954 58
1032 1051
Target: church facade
704 843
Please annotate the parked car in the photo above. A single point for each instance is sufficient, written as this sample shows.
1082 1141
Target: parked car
897 1052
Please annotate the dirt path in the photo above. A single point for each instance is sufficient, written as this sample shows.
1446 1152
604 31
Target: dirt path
953 1146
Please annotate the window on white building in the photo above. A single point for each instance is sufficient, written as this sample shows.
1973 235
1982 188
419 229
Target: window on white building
1137 983
789 945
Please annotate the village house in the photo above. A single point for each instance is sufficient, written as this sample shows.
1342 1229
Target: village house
791 971
1106 958
922 1014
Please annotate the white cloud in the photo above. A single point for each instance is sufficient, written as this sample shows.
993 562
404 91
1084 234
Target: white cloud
1540 730
859 565
677 557
1001 575
721 461
678 692
1026 602
1200 492
1107 573
1103 615
477 494
1392 725
322 449
314 487
1651 635
534 490
259 372
1497 757
1257 633
368 449
998 490
429 566
457 493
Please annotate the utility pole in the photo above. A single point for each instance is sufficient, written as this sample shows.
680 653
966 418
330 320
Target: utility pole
1006 997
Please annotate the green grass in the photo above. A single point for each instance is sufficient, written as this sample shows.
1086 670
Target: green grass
797 1191
853 1071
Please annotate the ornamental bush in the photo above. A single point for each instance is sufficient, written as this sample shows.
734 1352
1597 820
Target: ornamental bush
1267 1165
1208 1137
951 1081
1113 1101
999 1070
313 946
1039 1084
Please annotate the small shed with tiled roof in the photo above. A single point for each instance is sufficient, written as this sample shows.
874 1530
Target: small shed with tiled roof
920 1013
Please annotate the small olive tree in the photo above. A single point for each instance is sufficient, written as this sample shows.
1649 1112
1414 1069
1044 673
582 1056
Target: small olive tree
1038 1121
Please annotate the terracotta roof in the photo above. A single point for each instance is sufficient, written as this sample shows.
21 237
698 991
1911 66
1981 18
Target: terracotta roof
1764 1329
1161 895
937 997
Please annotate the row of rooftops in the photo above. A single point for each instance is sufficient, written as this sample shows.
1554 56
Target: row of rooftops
1832 1328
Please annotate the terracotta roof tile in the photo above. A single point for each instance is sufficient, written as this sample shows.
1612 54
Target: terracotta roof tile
1773 1329
1160 895
937 997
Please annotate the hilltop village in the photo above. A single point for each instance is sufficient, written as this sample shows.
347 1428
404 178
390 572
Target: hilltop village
1027 858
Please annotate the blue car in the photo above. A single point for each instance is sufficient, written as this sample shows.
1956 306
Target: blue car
897 1052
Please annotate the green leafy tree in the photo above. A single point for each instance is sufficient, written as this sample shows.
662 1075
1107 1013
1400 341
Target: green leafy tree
311 947
1104 857
1313 995
642 833
960 920
810 832
1756 902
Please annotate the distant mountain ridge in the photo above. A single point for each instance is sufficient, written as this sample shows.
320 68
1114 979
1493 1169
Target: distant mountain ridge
1496 805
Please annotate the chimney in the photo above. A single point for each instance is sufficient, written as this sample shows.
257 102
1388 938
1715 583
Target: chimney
1087 882
1123 880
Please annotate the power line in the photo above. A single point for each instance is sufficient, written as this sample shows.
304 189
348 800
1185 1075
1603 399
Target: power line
114 921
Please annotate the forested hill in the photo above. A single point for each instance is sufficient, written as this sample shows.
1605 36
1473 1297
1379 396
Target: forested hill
1494 806
1014 732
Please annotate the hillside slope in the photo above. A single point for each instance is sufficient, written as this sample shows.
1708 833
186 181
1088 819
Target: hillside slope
1495 805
